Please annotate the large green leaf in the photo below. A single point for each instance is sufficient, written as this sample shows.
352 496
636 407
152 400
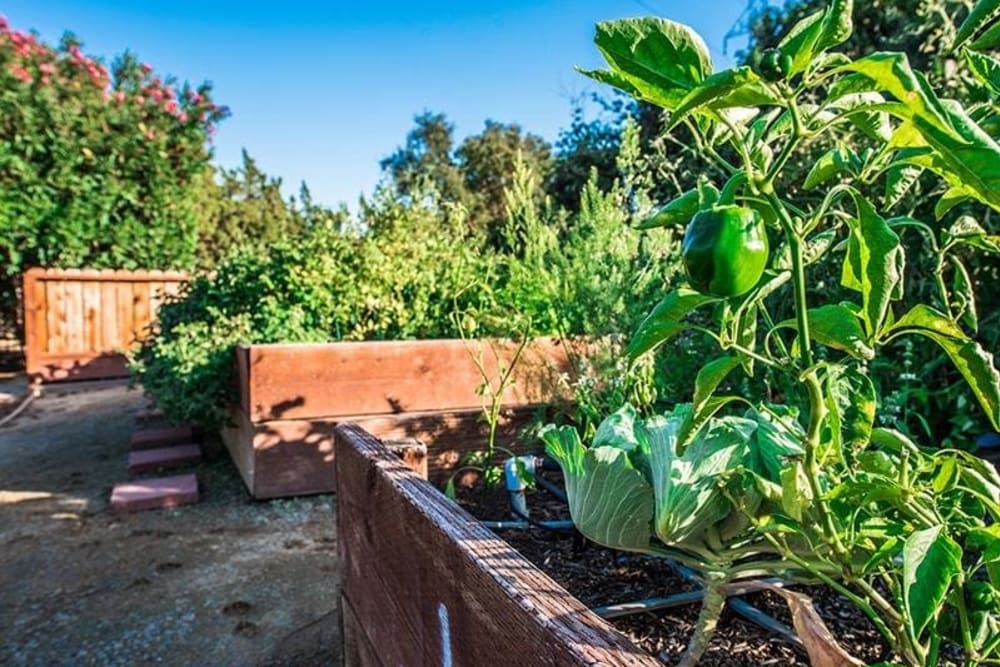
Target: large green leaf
610 501
688 500
739 87
837 326
873 266
982 13
665 321
654 59
931 559
972 361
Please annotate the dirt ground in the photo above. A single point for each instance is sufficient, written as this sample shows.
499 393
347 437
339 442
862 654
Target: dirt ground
227 581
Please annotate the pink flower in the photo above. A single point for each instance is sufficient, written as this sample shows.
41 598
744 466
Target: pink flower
119 97
139 99
146 68
170 106
3 22
182 117
21 73
168 91
194 96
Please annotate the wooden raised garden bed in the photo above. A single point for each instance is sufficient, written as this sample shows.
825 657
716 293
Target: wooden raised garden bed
425 584
293 395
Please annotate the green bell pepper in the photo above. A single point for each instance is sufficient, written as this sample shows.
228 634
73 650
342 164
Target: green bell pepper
725 250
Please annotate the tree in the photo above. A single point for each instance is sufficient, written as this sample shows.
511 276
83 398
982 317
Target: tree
426 161
241 206
487 163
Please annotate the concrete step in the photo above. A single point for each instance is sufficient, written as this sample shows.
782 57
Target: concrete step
148 417
145 460
154 438
150 494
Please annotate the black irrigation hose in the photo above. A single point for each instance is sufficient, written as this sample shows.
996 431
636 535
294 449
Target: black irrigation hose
569 532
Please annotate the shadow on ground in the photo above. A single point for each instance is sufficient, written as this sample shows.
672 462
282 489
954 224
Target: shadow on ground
228 581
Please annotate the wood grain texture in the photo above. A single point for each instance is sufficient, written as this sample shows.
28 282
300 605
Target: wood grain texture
81 318
305 381
92 317
424 579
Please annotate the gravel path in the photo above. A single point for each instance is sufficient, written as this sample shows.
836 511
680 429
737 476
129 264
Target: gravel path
228 581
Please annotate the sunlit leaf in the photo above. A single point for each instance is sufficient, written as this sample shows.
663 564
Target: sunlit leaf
665 321
931 559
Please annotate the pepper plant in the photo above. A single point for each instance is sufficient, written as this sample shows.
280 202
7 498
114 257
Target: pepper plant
812 488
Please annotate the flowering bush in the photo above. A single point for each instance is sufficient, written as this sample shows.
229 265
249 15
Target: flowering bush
96 164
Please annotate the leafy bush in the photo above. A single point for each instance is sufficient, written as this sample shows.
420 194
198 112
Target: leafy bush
96 166
412 269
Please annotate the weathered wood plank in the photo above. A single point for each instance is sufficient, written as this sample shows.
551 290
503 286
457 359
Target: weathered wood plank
124 315
92 317
425 580
140 310
55 342
73 304
110 336
302 381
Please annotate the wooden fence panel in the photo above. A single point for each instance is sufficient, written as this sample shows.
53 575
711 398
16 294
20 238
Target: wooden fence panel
79 322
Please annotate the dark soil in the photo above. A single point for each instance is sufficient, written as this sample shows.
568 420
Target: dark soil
599 576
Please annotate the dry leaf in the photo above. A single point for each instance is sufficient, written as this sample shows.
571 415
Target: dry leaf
823 649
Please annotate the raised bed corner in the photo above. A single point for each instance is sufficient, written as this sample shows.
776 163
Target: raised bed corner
425 584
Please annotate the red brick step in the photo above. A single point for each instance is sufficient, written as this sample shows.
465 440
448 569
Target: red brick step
145 460
149 494
161 437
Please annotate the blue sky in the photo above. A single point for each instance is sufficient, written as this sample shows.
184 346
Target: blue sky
321 91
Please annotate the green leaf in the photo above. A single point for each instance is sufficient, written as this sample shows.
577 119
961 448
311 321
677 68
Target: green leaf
964 153
610 501
899 179
950 199
817 33
683 208
614 80
967 231
972 361
985 68
983 12
665 320
800 44
834 162
853 404
931 559
838 24
688 500
874 265
739 87
796 494
703 406
659 60
837 326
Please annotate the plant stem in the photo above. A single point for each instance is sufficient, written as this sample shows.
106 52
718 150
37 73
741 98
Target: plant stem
708 618
798 278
